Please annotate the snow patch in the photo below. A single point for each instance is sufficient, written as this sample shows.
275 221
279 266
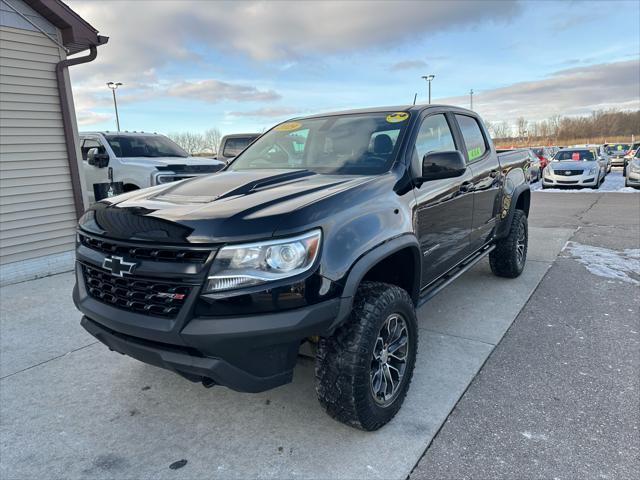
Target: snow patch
623 266
534 436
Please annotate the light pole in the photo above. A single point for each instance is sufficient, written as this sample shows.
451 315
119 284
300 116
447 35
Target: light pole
114 86
428 78
471 99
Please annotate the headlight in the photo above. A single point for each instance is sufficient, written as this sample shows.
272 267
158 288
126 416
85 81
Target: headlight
237 266
165 178
548 171
593 171
634 167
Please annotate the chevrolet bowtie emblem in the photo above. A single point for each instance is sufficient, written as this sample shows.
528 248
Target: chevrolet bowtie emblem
117 266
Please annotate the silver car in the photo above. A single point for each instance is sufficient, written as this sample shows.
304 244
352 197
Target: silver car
617 151
632 171
574 167
603 156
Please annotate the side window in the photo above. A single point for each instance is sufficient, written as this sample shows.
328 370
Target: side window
87 145
473 137
434 136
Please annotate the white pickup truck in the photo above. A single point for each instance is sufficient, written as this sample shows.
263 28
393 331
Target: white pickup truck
134 160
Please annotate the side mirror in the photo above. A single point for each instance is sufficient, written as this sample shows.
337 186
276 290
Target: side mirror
439 165
97 158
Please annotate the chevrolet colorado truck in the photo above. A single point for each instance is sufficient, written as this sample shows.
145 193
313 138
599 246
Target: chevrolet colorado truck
137 160
329 229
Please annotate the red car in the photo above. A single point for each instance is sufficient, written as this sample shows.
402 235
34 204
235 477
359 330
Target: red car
545 154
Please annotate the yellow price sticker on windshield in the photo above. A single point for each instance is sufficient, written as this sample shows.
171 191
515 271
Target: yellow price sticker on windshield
397 117
288 127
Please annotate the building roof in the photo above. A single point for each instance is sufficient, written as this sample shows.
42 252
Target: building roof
77 34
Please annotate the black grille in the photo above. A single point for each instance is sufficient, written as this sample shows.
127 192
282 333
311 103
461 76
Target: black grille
135 294
145 253
192 168
568 173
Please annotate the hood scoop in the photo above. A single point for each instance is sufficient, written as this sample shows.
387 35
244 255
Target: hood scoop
259 184
203 190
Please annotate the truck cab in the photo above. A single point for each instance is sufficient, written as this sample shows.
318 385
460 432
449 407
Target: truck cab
136 160
232 145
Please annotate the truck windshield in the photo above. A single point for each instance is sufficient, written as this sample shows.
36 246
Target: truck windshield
144 146
358 144
575 155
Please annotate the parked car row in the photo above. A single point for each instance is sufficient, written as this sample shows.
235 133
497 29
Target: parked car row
584 165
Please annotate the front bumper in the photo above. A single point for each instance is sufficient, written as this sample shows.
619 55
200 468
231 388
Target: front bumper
550 179
245 353
158 315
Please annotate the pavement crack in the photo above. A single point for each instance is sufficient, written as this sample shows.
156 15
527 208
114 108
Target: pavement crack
49 360
588 209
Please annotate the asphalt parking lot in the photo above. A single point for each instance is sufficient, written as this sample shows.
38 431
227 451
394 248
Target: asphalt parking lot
70 408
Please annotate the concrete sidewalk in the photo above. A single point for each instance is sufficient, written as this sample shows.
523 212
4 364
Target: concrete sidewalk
70 408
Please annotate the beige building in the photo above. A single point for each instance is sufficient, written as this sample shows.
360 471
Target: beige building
40 187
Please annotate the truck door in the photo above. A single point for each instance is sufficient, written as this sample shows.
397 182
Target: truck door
485 167
92 174
444 208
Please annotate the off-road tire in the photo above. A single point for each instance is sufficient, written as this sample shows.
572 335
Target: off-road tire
504 259
344 360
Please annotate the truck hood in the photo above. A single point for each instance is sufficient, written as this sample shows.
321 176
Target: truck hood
165 161
228 206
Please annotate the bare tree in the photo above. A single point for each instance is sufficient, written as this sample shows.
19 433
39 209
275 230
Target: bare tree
211 140
522 125
191 142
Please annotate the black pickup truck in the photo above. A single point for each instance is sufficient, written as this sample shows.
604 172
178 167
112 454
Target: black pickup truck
330 229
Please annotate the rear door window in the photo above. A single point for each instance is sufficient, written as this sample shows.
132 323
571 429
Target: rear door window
473 137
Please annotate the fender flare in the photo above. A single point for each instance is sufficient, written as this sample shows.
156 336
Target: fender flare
366 262
510 202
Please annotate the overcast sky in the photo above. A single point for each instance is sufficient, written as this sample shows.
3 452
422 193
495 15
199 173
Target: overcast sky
244 66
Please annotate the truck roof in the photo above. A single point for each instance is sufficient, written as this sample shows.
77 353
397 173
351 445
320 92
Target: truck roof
392 108
234 135
125 133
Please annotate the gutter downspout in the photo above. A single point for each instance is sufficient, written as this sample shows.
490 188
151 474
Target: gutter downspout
70 141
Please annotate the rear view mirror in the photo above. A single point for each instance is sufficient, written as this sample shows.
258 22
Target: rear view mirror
439 165
97 158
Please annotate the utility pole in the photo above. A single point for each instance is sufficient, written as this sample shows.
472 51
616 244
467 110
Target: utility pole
114 86
429 78
471 99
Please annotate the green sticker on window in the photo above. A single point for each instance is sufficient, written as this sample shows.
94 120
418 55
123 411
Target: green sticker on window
474 153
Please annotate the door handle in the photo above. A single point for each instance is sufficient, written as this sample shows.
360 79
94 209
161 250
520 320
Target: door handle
466 187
